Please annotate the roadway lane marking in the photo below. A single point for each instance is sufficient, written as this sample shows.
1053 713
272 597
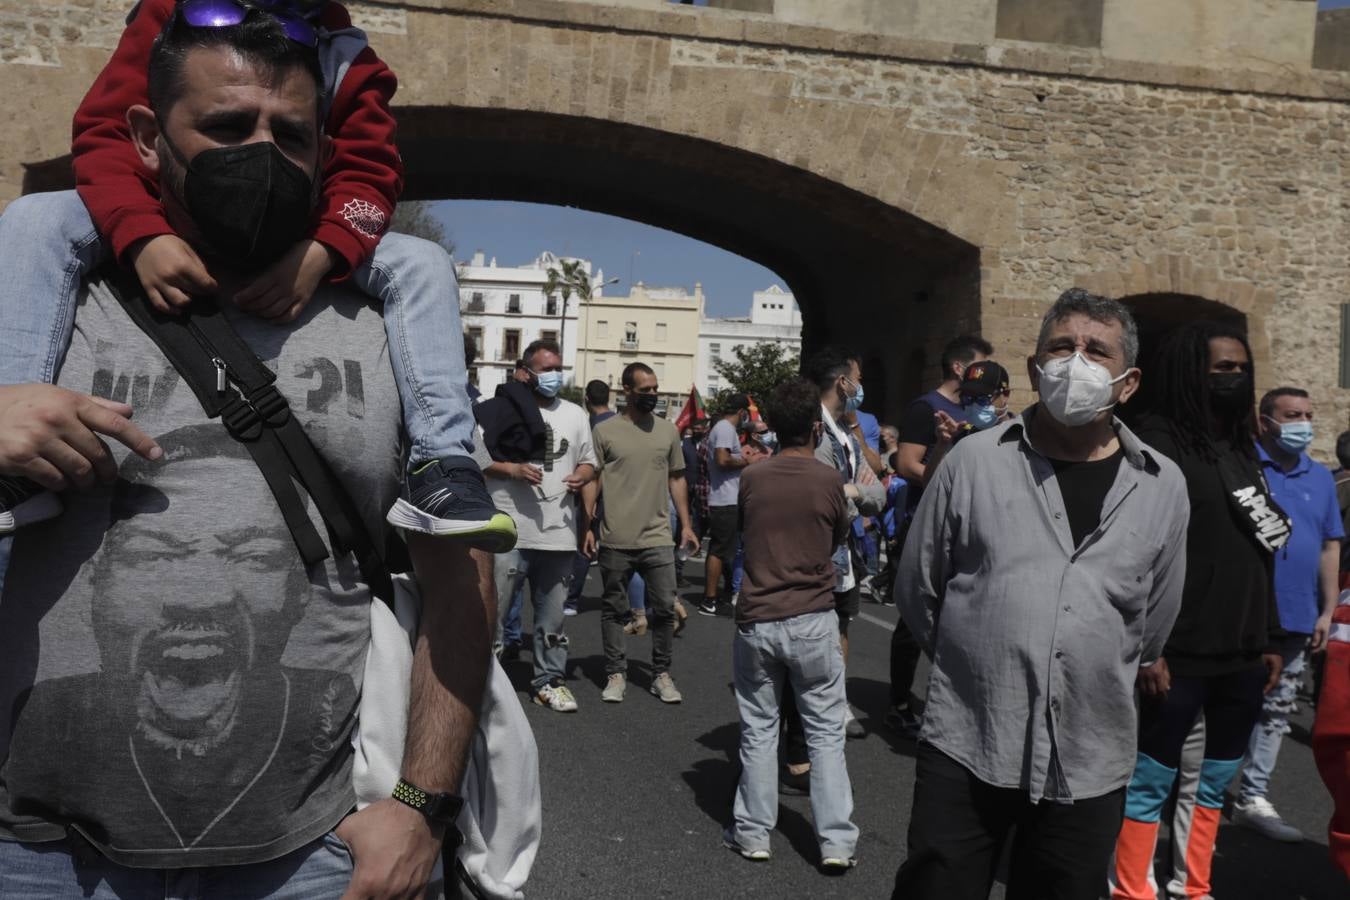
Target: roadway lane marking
875 621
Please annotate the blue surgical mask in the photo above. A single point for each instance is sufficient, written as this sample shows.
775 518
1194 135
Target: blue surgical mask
981 415
1294 437
548 384
854 402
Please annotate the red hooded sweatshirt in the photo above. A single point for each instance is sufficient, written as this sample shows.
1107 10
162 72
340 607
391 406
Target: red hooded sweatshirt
360 185
1331 731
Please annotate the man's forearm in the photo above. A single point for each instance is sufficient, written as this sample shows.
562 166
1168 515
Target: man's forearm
679 489
1330 576
450 661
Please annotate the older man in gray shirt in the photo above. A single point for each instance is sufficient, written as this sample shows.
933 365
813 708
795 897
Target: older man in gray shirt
1044 566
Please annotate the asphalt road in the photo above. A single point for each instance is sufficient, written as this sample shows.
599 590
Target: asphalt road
636 794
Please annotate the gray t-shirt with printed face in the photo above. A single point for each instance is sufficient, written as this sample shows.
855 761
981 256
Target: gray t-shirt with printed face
176 685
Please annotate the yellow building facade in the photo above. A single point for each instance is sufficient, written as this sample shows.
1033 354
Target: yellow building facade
656 326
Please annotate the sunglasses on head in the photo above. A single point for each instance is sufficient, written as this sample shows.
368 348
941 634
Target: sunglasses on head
224 13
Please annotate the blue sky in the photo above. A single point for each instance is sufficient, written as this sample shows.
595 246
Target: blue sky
516 233
1332 4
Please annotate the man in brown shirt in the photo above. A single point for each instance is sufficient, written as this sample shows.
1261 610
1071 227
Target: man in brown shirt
787 634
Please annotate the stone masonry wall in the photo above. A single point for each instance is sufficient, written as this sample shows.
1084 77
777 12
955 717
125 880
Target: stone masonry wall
1112 183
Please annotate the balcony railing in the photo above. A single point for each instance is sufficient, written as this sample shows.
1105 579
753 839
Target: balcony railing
475 306
628 345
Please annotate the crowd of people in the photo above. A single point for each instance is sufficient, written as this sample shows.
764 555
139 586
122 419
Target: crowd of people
1119 589
1112 590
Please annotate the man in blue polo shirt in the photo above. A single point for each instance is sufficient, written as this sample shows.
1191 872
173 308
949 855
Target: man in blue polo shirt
1306 575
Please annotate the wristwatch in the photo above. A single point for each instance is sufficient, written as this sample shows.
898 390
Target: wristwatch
440 809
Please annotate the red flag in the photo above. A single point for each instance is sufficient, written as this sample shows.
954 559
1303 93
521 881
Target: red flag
754 410
693 411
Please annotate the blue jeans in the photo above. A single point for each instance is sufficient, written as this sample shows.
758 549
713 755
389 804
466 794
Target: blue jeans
50 244
1264 747
549 573
508 617
49 871
801 654
637 594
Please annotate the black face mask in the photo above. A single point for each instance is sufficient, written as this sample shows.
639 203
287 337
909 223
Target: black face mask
644 402
250 203
1230 392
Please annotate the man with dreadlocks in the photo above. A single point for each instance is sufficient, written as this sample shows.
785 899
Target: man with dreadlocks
1219 659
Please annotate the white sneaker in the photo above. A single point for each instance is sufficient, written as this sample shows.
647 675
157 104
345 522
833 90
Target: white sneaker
614 688
838 863
756 855
664 687
852 727
556 697
1260 816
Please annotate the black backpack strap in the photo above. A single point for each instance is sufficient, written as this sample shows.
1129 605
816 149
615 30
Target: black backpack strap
231 383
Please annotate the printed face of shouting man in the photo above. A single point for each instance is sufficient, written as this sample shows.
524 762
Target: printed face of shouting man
188 607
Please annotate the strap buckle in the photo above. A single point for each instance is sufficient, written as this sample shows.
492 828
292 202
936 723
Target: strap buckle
241 420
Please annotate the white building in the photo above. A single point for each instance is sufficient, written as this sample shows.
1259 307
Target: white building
774 319
504 308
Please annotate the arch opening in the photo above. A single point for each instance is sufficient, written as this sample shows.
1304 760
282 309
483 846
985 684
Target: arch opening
865 274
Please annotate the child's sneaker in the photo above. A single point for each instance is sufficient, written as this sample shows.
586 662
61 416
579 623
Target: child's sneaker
447 498
23 502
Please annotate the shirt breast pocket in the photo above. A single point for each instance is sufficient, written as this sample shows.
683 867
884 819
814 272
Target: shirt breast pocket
1128 569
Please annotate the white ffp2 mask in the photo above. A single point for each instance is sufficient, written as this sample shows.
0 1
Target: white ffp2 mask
1074 389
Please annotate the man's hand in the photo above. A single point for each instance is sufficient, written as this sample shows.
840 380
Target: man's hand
1320 632
394 848
1154 680
578 479
945 426
170 271
527 472
283 291
1274 665
589 545
51 435
689 541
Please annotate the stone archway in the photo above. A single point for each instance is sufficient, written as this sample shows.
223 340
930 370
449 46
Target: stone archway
865 273
1172 290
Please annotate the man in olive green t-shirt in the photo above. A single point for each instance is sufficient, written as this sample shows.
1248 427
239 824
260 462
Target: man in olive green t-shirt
641 465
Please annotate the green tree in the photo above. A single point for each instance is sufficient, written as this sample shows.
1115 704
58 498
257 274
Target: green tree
757 369
567 278
414 217
573 393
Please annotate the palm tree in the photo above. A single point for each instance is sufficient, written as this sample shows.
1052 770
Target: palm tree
570 279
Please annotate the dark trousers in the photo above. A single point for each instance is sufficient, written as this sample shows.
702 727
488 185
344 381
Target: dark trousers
959 825
905 654
905 650
1231 704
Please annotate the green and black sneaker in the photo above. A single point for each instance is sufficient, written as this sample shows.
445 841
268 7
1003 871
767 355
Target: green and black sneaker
447 498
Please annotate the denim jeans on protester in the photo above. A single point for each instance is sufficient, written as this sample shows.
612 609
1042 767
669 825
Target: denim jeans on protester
800 654
1263 750
738 569
414 279
509 629
637 594
319 870
656 565
549 573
